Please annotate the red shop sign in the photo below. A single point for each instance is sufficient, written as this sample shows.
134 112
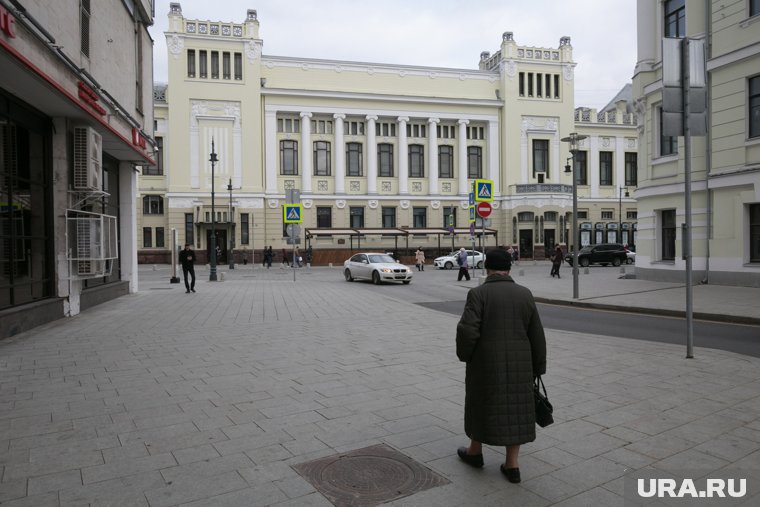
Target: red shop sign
7 21
90 98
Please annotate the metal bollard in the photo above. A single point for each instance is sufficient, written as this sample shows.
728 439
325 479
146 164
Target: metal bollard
221 276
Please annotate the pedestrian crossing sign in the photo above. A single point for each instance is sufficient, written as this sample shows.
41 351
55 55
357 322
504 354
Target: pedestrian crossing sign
484 190
472 214
292 213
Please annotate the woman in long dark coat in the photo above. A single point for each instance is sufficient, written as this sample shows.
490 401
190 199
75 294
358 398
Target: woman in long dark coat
501 339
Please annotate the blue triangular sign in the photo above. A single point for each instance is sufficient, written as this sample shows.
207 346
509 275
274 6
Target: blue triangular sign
484 192
293 214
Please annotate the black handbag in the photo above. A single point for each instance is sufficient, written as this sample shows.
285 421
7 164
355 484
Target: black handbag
544 409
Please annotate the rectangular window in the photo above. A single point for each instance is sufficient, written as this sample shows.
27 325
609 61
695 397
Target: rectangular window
668 144
416 161
474 162
631 169
289 158
84 26
445 161
389 217
189 231
675 18
541 157
521 82
608 214
147 237
215 65
324 216
449 216
354 159
158 169
202 64
245 228
386 129
416 130
419 217
354 128
631 215
226 65
754 105
190 63
153 205
160 237
475 133
530 84
754 7
385 160
605 168
321 158
539 83
754 232
288 125
238 66
668 232
582 214
357 217
556 86
321 127
548 79
581 165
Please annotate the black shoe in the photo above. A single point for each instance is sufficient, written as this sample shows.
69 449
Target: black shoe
187 291
193 290
512 474
474 460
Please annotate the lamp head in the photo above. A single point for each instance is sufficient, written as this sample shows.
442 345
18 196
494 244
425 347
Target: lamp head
213 158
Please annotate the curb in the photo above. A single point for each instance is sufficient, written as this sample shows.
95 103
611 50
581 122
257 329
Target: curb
711 317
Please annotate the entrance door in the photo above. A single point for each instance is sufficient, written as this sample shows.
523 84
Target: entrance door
549 241
526 244
221 243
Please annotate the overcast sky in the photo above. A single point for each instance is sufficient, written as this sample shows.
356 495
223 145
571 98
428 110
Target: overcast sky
435 33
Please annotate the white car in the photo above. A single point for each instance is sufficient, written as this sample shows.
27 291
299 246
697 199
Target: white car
630 256
378 267
474 260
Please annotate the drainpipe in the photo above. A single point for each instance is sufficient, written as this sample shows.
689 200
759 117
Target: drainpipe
708 145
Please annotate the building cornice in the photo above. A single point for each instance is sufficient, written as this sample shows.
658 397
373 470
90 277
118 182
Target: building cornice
733 57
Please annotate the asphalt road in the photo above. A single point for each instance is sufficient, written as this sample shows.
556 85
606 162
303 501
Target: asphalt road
738 338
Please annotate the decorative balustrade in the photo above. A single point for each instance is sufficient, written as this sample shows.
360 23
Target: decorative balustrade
585 115
543 188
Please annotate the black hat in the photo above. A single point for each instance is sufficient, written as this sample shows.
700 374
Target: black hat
498 260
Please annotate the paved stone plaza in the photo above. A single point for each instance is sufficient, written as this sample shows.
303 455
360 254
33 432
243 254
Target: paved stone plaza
163 398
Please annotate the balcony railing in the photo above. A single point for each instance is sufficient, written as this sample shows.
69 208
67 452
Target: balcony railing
543 188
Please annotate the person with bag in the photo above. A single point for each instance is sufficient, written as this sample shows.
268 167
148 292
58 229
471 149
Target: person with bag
419 257
501 339
463 266
187 260
556 259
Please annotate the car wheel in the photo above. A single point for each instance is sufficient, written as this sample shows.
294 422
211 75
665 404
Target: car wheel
376 278
583 262
407 282
629 261
448 265
347 274
616 261
479 265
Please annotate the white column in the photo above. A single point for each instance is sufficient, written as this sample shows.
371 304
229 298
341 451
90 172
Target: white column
433 156
371 155
403 156
493 156
592 169
306 152
128 224
463 187
270 152
340 155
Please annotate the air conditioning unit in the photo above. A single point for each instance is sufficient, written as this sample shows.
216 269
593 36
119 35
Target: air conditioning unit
88 159
92 242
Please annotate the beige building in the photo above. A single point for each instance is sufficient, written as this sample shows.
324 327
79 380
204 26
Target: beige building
76 118
386 151
725 163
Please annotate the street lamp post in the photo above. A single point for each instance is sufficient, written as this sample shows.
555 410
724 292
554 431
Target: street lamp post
573 139
212 243
620 210
231 228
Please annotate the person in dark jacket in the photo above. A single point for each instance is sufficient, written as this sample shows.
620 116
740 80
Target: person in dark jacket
556 260
187 259
501 338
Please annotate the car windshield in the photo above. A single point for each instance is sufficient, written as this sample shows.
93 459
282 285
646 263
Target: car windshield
375 259
585 249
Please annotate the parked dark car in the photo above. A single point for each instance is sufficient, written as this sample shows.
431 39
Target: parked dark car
603 253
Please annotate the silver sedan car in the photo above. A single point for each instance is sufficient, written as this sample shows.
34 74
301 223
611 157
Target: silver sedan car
378 267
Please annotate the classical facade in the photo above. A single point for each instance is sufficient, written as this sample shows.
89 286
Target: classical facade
76 118
386 151
725 163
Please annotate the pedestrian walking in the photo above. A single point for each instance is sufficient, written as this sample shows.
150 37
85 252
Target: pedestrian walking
297 257
285 258
501 339
463 265
556 260
419 257
187 259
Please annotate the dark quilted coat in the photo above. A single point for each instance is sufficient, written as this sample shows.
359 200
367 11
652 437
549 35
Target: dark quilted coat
501 339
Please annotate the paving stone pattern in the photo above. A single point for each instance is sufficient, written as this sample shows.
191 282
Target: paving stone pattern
163 398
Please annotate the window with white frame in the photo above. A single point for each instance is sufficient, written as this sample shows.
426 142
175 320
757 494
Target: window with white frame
147 237
541 157
354 128
416 130
385 129
321 126
668 234
474 162
153 205
631 169
385 160
445 161
581 165
608 214
288 125
356 214
419 218
668 145
605 168
476 133
389 217
754 105
446 131
675 18
322 158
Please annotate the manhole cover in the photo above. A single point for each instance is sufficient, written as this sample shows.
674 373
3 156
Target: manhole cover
368 476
